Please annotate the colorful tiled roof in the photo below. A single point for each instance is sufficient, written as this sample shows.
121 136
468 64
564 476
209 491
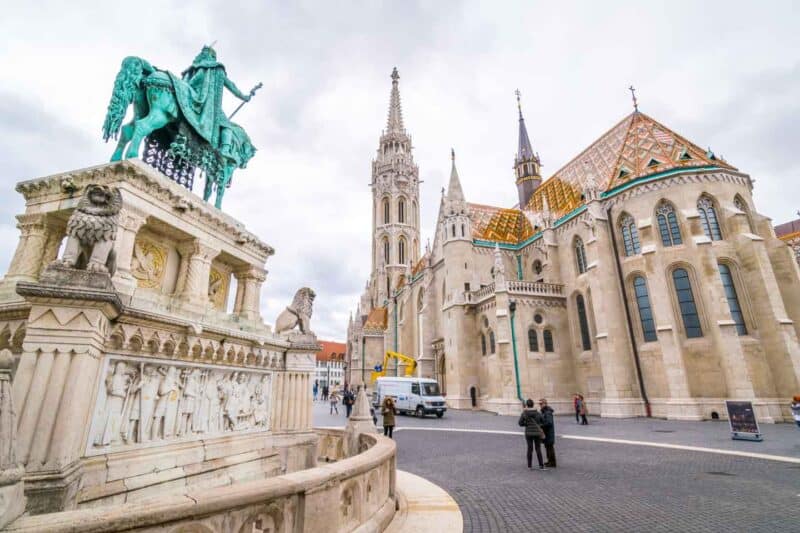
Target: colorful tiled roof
636 147
499 224
377 319
419 266
331 351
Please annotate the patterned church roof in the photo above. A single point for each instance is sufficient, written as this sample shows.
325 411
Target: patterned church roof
377 319
498 224
636 147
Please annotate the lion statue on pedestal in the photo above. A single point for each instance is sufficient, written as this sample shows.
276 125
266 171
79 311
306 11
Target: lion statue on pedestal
298 314
91 231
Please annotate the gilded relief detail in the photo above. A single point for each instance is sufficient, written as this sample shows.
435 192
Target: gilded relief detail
149 263
217 288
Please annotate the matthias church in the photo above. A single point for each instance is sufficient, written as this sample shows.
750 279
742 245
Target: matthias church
640 274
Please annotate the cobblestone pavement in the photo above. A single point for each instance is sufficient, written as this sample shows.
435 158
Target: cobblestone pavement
603 486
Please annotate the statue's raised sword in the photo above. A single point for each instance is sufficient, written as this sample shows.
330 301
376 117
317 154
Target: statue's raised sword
252 93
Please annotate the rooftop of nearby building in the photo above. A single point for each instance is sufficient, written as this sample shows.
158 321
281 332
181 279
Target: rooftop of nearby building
331 351
788 230
377 319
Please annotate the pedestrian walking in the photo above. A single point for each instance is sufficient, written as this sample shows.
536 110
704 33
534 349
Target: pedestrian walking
388 412
531 420
315 390
582 410
549 427
348 399
576 398
325 392
334 401
796 410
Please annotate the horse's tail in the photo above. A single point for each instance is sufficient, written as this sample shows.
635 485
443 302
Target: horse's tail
125 86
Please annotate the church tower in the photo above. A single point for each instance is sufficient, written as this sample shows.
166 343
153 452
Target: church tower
395 204
526 164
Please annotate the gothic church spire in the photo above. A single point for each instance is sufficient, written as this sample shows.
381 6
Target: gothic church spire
526 163
454 191
394 123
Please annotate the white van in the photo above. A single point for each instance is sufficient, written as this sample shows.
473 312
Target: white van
420 396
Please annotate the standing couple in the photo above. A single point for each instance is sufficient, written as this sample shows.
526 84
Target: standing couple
539 427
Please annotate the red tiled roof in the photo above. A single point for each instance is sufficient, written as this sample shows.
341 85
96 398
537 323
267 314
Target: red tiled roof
331 351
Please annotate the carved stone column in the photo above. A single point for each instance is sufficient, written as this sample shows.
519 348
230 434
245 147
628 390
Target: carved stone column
196 258
248 294
130 221
27 260
12 497
57 375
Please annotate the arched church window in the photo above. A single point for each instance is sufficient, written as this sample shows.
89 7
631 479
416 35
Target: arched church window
645 310
491 341
630 235
533 340
386 211
686 305
548 341
708 218
401 251
463 231
580 255
483 344
453 230
668 225
537 267
386 251
733 298
741 205
583 323
401 211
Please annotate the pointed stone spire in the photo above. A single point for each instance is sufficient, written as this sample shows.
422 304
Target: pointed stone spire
454 191
394 124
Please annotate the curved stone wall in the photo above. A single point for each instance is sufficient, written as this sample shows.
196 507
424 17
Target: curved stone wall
352 494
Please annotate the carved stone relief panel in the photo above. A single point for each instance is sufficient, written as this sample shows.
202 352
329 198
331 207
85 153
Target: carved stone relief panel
144 402
149 263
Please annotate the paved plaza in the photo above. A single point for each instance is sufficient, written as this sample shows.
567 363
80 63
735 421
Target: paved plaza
602 484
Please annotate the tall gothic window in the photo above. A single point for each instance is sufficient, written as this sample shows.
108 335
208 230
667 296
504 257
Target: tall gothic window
401 251
645 311
548 341
583 323
733 298
533 340
688 309
708 218
630 235
386 251
580 255
741 205
491 341
401 211
483 344
386 210
668 225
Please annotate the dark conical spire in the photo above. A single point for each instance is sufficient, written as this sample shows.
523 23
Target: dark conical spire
524 151
394 123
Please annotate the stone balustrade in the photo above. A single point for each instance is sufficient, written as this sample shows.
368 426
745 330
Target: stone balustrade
355 493
521 288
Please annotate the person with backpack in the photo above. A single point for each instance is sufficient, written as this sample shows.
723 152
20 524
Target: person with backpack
348 399
532 421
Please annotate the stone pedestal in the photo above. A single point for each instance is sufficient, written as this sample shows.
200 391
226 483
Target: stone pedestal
360 421
12 497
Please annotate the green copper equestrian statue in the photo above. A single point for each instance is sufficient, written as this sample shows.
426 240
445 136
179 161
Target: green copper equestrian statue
186 111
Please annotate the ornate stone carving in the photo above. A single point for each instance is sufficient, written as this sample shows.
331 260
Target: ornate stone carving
91 231
12 498
298 314
143 401
217 288
149 263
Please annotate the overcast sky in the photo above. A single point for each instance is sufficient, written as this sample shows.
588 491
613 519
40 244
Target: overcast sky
724 74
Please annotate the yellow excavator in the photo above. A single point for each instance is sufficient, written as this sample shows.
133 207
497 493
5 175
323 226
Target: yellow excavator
380 371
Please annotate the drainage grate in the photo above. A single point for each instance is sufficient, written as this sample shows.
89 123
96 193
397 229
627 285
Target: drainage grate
720 473
663 431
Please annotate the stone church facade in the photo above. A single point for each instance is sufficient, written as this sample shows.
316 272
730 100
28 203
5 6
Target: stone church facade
640 274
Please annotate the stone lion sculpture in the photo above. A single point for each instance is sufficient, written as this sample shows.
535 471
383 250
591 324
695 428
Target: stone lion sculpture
297 314
91 231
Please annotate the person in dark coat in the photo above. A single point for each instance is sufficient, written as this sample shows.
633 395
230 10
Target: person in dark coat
582 409
531 420
549 427
388 412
